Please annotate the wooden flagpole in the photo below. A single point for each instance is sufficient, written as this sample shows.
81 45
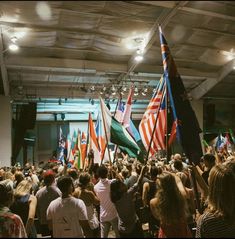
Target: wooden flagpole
106 136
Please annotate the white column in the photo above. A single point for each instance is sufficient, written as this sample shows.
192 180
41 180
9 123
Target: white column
5 131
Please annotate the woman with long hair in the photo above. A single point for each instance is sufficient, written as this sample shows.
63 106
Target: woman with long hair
24 205
219 218
169 207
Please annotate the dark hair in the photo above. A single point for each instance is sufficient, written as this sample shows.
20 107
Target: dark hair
115 190
210 158
73 173
84 179
49 177
102 171
178 165
154 171
6 192
64 183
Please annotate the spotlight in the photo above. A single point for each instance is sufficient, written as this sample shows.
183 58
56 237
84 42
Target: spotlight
113 90
62 116
13 47
92 102
136 91
59 102
14 39
139 58
92 88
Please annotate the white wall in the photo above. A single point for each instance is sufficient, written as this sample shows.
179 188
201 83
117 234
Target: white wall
5 131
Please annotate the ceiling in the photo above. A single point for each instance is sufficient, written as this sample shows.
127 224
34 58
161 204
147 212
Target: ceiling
67 47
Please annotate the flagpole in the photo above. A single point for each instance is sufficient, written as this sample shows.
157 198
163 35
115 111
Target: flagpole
154 128
106 136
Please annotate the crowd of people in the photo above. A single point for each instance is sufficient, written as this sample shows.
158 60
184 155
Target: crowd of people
173 198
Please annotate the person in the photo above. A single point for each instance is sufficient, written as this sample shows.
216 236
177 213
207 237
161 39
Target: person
149 191
108 212
67 215
218 220
11 225
90 200
44 197
169 207
24 205
129 225
209 162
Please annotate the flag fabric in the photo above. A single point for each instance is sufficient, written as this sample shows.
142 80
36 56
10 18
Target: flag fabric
100 135
220 142
83 149
185 126
127 111
62 142
119 114
93 143
116 132
232 136
154 114
73 148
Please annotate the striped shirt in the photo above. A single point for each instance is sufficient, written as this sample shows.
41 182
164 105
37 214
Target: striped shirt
211 226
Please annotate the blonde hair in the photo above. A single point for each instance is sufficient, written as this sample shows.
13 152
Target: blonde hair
24 187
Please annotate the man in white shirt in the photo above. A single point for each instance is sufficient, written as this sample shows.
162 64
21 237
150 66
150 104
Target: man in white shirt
108 212
68 214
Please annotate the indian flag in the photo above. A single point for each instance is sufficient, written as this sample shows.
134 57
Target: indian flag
116 132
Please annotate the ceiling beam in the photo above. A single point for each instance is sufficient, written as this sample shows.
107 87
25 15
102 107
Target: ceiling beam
208 84
58 28
3 68
172 4
77 66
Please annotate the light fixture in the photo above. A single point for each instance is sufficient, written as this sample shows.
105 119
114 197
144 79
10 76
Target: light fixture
59 101
13 47
139 51
113 90
14 39
92 102
139 58
234 67
92 88
144 91
136 91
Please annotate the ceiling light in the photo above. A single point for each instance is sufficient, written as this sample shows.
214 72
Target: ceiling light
139 58
59 102
143 93
136 91
92 88
139 51
14 39
234 67
13 47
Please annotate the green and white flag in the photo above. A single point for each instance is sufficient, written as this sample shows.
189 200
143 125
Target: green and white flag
116 132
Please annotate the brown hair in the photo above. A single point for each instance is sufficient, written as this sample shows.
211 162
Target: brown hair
221 192
171 204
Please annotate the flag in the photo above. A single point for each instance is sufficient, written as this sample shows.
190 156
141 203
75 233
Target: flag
127 112
93 143
62 144
220 142
120 111
100 135
185 126
116 132
83 149
154 114
232 136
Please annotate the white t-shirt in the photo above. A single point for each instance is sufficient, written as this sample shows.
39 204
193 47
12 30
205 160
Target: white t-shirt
107 209
65 215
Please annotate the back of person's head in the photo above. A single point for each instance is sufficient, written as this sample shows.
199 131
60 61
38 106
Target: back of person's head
116 190
177 157
49 177
84 179
23 188
64 183
209 159
221 191
6 192
154 171
72 172
178 165
102 171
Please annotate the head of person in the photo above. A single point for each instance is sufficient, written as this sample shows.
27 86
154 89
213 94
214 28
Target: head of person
154 171
6 192
66 185
209 160
117 189
221 191
49 177
24 187
178 165
84 179
177 157
102 171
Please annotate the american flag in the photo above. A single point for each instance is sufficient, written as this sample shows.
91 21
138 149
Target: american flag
156 110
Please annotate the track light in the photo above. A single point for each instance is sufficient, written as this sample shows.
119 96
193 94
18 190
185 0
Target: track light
113 90
14 39
136 91
92 88
13 47
139 58
59 101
